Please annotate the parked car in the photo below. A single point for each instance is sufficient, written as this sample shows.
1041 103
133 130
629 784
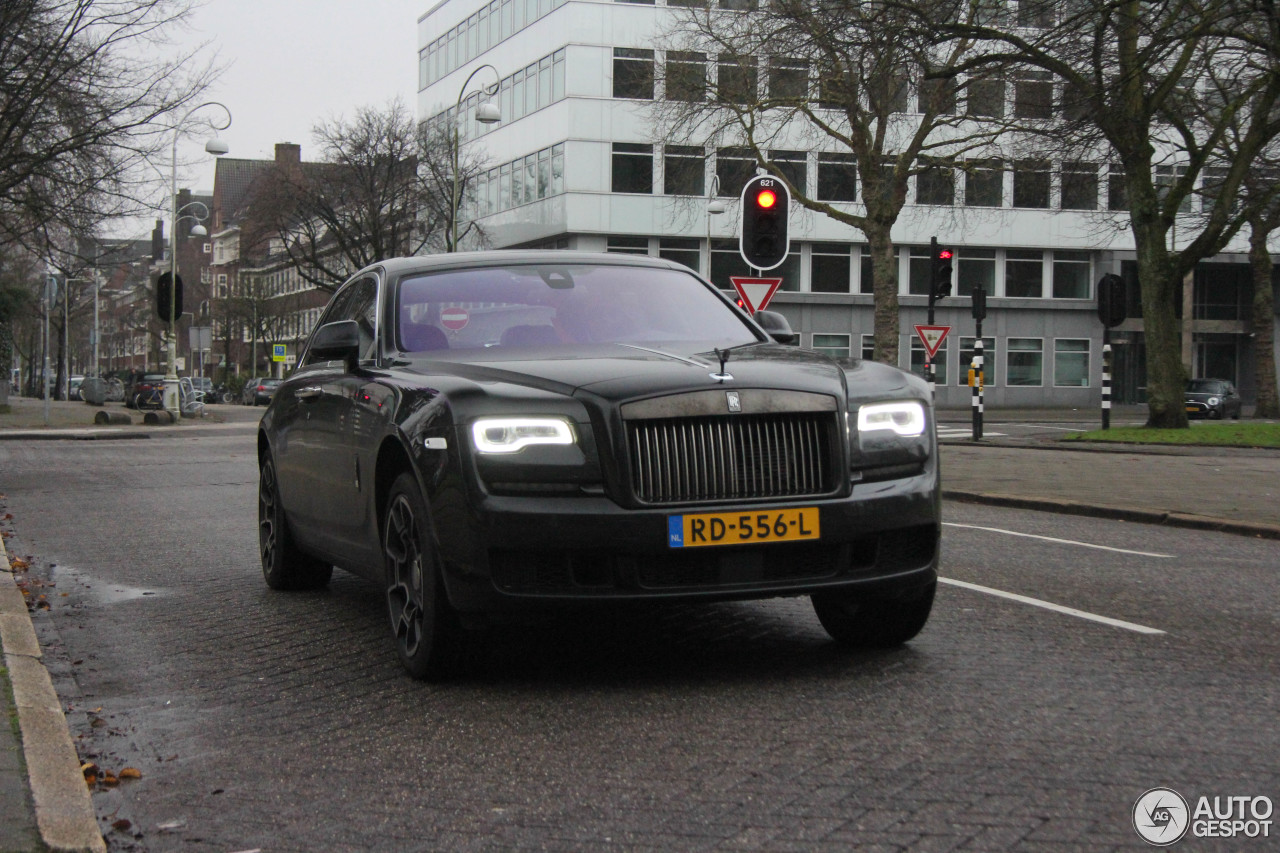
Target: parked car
258 392
73 387
203 386
147 392
1212 398
495 432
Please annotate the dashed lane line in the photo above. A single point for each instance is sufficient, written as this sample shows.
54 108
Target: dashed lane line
1056 608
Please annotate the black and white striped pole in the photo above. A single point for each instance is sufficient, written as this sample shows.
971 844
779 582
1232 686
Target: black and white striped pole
979 314
1112 311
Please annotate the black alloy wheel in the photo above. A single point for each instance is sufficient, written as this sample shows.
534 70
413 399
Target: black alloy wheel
872 622
427 631
284 565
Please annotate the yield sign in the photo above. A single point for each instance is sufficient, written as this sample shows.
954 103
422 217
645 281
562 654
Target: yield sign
755 292
932 336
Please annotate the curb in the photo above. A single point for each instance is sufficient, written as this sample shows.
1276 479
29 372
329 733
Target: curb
63 806
1141 516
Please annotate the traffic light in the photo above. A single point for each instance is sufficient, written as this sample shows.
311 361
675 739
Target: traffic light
942 273
765 207
1112 300
162 297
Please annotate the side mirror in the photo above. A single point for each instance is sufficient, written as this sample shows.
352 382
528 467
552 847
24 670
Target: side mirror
340 340
777 326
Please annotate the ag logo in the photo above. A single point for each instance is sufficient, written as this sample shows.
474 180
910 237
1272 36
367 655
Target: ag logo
1161 817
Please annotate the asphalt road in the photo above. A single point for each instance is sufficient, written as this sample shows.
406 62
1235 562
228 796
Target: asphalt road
283 721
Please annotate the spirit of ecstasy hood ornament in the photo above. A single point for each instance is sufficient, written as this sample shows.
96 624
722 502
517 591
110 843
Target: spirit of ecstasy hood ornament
720 375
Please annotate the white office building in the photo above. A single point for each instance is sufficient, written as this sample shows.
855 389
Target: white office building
577 163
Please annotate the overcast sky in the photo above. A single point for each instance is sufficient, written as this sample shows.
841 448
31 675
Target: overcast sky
293 63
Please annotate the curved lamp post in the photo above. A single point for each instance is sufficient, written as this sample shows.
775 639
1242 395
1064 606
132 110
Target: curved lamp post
486 113
217 148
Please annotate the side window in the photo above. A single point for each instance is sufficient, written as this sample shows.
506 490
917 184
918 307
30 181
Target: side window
357 301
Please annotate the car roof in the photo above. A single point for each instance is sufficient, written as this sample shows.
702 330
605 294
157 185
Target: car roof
506 257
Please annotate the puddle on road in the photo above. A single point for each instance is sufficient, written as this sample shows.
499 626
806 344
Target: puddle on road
100 591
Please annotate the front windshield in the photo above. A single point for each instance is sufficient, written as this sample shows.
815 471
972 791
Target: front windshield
1204 386
563 305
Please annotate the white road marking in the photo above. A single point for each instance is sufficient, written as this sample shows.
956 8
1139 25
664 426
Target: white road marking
1059 541
964 432
1056 608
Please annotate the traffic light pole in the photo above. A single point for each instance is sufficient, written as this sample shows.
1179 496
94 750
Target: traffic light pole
979 314
933 297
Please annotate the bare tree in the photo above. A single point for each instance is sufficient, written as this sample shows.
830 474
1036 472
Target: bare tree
837 76
381 190
1137 72
88 89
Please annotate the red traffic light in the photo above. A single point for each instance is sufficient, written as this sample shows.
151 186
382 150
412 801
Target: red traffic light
945 254
766 198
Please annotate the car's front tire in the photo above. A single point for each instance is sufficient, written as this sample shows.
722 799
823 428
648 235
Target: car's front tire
873 622
428 634
284 565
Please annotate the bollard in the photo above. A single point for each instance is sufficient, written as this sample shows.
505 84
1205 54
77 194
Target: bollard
105 417
158 416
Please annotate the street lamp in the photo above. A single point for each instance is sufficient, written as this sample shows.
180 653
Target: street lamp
486 113
217 148
715 207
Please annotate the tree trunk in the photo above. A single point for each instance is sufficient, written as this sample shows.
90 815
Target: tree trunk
884 266
1161 292
1264 344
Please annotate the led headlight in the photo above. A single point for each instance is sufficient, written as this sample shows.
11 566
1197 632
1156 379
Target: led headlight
905 418
1213 401
511 435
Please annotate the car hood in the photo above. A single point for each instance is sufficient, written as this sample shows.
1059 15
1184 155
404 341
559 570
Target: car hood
629 372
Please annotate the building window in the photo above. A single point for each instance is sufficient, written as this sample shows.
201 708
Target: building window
1033 95
788 80
686 76
919 271
1023 273
1167 178
866 271
683 170
938 97
1071 363
734 167
632 73
1071 275
936 184
1035 13
627 245
1031 183
939 360
736 83
726 261
984 183
682 250
1079 186
984 98
793 166
975 268
1117 192
829 268
1024 358
837 177
868 347
632 167
834 345
988 361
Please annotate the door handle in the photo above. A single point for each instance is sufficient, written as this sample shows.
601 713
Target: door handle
310 392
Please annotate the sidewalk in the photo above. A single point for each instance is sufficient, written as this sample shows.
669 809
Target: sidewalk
44 803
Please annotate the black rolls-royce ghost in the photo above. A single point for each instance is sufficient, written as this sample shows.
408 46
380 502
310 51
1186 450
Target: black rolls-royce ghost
481 433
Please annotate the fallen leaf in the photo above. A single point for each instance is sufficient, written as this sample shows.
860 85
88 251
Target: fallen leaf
18 563
121 825
109 780
131 773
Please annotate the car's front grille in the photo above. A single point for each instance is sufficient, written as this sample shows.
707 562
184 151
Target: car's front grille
734 457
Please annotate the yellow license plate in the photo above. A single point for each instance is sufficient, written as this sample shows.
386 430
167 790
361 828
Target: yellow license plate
742 528
1193 408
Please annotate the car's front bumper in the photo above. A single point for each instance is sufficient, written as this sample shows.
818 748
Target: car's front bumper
516 552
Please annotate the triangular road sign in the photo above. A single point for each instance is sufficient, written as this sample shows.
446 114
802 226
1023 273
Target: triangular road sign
932 336
755 292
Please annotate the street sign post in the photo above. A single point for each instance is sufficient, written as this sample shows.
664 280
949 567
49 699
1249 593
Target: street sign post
932 337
